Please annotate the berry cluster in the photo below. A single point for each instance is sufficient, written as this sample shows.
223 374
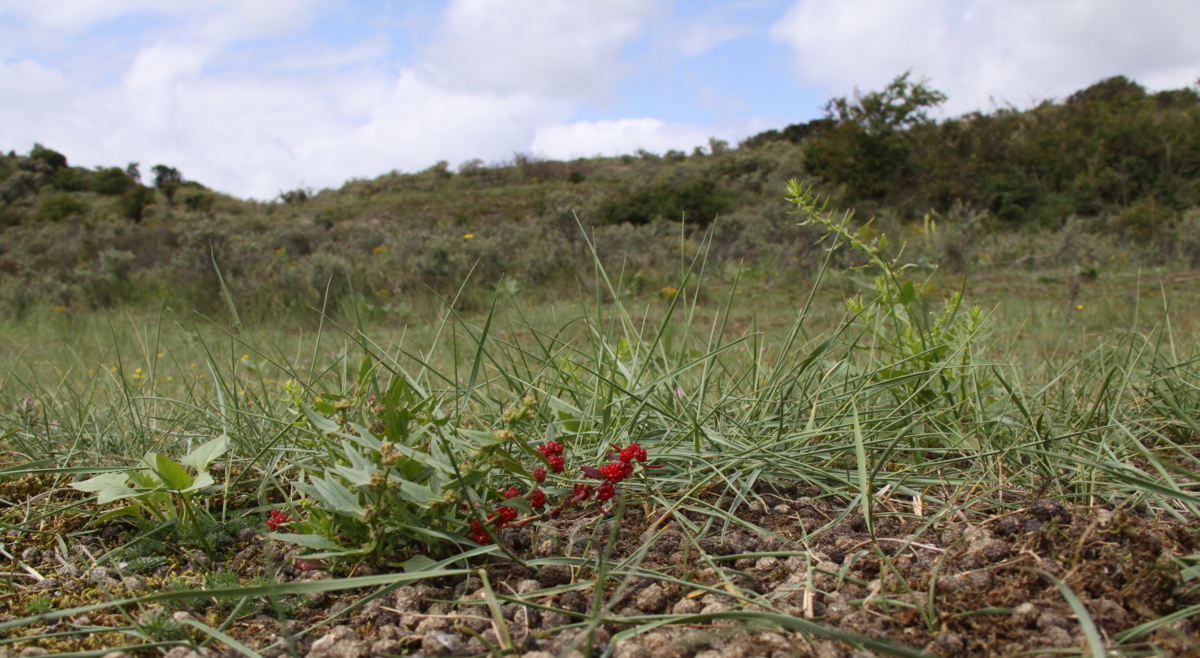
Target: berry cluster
611 474
620 468
553 452
276 519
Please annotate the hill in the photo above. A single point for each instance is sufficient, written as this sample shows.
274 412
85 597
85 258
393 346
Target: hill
1109 175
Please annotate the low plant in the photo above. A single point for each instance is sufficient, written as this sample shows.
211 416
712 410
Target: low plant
924 357
163 490
391 474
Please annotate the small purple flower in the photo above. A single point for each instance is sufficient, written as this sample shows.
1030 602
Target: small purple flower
679 393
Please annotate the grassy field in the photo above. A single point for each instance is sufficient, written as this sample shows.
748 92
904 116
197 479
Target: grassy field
860 461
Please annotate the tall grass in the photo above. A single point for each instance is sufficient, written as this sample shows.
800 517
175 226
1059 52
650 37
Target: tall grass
905 395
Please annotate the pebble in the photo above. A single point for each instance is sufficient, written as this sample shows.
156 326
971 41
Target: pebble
339 642
528 586
1057 637
946 644
769 563
247 535
1051 620
45 584
686 607
829 649
652 599
438 643
553 575
1024 615
629 649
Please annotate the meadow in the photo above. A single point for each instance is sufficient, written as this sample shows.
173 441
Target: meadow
862 457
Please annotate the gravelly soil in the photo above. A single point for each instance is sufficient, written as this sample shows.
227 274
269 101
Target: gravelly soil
970 584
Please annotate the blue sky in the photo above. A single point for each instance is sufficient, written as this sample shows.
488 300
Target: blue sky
252 97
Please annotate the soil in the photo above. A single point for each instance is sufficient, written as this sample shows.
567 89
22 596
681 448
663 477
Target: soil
976 582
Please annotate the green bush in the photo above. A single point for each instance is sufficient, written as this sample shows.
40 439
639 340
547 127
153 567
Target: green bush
134 201
19 186
73 179
59 207
111 181
697 202
198 202
55 159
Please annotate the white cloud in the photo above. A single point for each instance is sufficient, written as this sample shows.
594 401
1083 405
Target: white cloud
256 123
583 139
186 91
701 37
226 19
1019 51
555 48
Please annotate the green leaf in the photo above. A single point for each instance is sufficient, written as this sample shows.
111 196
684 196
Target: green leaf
174 475
201 481
203 455
318 421
144 478
364 370
315 542
418 493
908 293
334 495
417 563
128 510
107 487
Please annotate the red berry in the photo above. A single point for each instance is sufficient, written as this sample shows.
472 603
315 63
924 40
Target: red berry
552 448
614 472
507 514
626 470
476 526
276 519
537 498
628 453
640 453
606 491
539 474
556 463
511 492
482 537
583 491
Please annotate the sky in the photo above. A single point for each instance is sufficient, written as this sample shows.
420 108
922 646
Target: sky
255 97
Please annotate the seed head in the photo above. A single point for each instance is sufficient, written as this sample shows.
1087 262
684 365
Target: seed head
606 491
537 498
